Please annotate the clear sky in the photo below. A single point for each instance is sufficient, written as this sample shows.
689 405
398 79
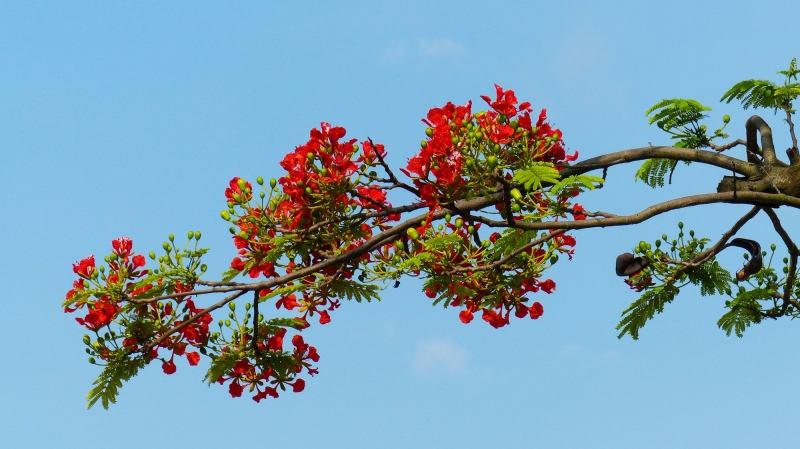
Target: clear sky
129 118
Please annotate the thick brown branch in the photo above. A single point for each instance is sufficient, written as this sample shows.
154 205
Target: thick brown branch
681 154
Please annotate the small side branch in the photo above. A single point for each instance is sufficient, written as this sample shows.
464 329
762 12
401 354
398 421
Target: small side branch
793 253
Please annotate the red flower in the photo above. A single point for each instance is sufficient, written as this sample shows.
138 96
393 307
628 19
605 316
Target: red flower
324 317
139 261
536 310
85 267
298 386
235 389
236 189
193 358
122 246
169 367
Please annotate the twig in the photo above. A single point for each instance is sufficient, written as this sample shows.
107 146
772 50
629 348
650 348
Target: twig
389 172
727 146
793 253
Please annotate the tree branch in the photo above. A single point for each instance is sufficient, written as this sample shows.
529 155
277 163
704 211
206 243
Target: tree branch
681 154
793 253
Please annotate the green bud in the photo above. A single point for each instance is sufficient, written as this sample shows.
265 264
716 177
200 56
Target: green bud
412 233
516 194
152 255
470 163
260 181
658 243
553 259
232 230
203 268
92 360
447 218
246 306
664 237
459 223
773 247
324 172
262 195
244 235
228 323
703 128
423 144
86 339
190 235
171 238
471 229
486 243
516 207
273 183
726 118
429 131
399 245
166 247
492 161
310 156
241 183
308 190
397 259
680 225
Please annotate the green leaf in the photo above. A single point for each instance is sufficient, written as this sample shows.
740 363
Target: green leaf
443 242
106 387
511 240
220 365
712 278
670 114
354 290
533 176
745 310
653 171
645 308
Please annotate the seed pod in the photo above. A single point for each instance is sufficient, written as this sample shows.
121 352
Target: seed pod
516 194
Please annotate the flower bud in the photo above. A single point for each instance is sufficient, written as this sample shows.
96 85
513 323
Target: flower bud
680 225
87 340
459 223
773 247
166 247
232 306
400 245
273 183
492 161
429 131
241 183
232 230
423 144
447 218
516 207
228 323
92 360
516 194
152 255
203 268
244 235
412 233
726 118
260 181
471 229
190 235
553 259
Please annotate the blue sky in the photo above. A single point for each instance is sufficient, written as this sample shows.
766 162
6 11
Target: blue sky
129 118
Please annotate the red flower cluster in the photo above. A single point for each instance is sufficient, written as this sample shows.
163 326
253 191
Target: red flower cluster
273 366
463 148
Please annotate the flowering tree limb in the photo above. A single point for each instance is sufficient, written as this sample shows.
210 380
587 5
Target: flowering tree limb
494 207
